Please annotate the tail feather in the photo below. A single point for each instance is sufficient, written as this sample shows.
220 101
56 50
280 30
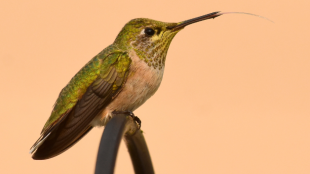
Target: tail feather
61 137
53 147
38 143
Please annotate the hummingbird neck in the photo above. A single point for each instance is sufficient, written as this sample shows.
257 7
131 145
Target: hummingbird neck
152 53
152 59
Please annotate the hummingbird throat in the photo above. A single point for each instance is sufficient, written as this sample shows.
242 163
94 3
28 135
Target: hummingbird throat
153 50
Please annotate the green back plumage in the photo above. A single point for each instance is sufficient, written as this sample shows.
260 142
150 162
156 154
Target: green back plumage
97 68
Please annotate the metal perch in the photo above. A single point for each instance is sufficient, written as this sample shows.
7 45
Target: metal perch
120 126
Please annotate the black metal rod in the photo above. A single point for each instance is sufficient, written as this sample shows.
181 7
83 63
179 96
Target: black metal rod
139 153
109 144
115 129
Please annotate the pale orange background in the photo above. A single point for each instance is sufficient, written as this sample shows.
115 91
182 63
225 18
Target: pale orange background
235 97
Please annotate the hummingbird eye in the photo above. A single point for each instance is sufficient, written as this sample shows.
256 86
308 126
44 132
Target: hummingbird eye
149 31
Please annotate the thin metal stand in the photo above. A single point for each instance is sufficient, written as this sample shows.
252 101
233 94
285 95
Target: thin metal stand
118 127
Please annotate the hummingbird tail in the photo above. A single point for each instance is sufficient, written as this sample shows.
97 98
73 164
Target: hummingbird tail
54 146
62 136
38 143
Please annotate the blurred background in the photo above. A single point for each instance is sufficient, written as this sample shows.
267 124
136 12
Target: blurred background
234 99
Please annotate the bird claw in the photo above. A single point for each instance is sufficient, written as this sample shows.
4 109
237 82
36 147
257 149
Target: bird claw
132 115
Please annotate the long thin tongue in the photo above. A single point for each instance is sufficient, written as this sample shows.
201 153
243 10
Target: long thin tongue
247 14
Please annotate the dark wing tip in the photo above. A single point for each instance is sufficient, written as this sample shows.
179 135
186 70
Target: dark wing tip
52 146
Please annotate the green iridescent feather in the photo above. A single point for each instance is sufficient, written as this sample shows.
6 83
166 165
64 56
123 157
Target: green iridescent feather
97 68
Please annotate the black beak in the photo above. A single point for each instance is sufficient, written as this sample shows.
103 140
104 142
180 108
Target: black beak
194 20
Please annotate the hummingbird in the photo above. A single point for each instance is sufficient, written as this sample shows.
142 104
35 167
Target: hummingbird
120 78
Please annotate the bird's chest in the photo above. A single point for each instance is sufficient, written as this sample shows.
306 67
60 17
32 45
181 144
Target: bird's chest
142 82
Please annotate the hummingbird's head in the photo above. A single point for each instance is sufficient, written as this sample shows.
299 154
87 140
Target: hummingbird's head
150 39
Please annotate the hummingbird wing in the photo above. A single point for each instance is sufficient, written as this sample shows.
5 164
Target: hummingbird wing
86 95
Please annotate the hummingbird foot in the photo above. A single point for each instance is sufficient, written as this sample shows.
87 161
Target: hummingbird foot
131 114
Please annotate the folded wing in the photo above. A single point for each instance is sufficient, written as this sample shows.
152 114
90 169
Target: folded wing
65 131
